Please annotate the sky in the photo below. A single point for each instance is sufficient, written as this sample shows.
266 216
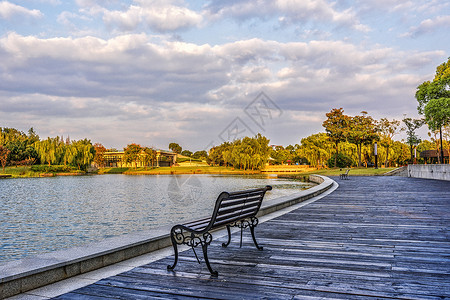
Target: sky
199 73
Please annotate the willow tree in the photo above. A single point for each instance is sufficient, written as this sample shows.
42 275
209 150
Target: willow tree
337 128
316 149
432 94
46 150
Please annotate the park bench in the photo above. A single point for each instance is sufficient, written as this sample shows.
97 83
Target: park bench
344 175
236 209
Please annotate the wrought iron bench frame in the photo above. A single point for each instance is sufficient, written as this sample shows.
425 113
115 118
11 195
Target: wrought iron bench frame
236 209
344 175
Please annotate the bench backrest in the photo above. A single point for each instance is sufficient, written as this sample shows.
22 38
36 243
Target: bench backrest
231 207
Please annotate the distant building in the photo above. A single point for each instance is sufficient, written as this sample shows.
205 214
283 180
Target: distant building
163 159
431 156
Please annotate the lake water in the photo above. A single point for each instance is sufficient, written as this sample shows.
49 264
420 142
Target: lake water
45 214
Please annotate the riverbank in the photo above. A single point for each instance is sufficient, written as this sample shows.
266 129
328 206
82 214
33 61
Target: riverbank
298 172
27 172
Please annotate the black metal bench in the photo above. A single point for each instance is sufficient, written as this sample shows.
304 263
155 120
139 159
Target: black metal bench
237 209
344 175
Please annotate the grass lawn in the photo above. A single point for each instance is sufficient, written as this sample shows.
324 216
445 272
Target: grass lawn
352 172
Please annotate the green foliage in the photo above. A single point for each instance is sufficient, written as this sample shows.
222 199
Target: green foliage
434 98
131 154
20 146
337 128
316 149
363 132
387 129
438 88
246 153
342 161
202 155
186 153
437 113
175 147
50 169
148 156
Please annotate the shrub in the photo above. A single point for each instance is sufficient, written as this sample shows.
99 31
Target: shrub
343 161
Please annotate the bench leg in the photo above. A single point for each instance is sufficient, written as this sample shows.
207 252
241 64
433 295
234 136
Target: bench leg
229 237
205 256
252 230
175 248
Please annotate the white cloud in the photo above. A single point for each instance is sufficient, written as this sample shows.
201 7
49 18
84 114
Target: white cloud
288 11
9 10
161 16
429 26
139 83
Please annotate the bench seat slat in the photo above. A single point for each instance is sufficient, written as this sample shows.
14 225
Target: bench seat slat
226 211
239 201
248 192
228 221
232 216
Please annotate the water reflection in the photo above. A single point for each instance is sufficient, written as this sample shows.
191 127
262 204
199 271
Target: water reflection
46 214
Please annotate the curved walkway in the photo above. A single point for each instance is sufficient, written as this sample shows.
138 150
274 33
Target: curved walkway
373 237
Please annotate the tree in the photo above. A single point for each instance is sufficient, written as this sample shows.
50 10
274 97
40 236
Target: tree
430 95
175 148
280 155
437 115
99 157
46 150
186 153
411 138
316 149
363 131
387 130
131 154
149 156
203 155
246 153
336 127
4 152
438 88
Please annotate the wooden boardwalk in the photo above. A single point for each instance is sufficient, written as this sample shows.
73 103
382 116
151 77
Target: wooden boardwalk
372 238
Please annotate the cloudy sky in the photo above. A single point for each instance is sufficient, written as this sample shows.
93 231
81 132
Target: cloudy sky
201 72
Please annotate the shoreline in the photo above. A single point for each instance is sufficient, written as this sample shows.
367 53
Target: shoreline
294 172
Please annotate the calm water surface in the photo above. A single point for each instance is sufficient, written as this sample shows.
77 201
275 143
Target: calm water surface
45 214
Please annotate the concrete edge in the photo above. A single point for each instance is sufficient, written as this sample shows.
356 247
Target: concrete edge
30 273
